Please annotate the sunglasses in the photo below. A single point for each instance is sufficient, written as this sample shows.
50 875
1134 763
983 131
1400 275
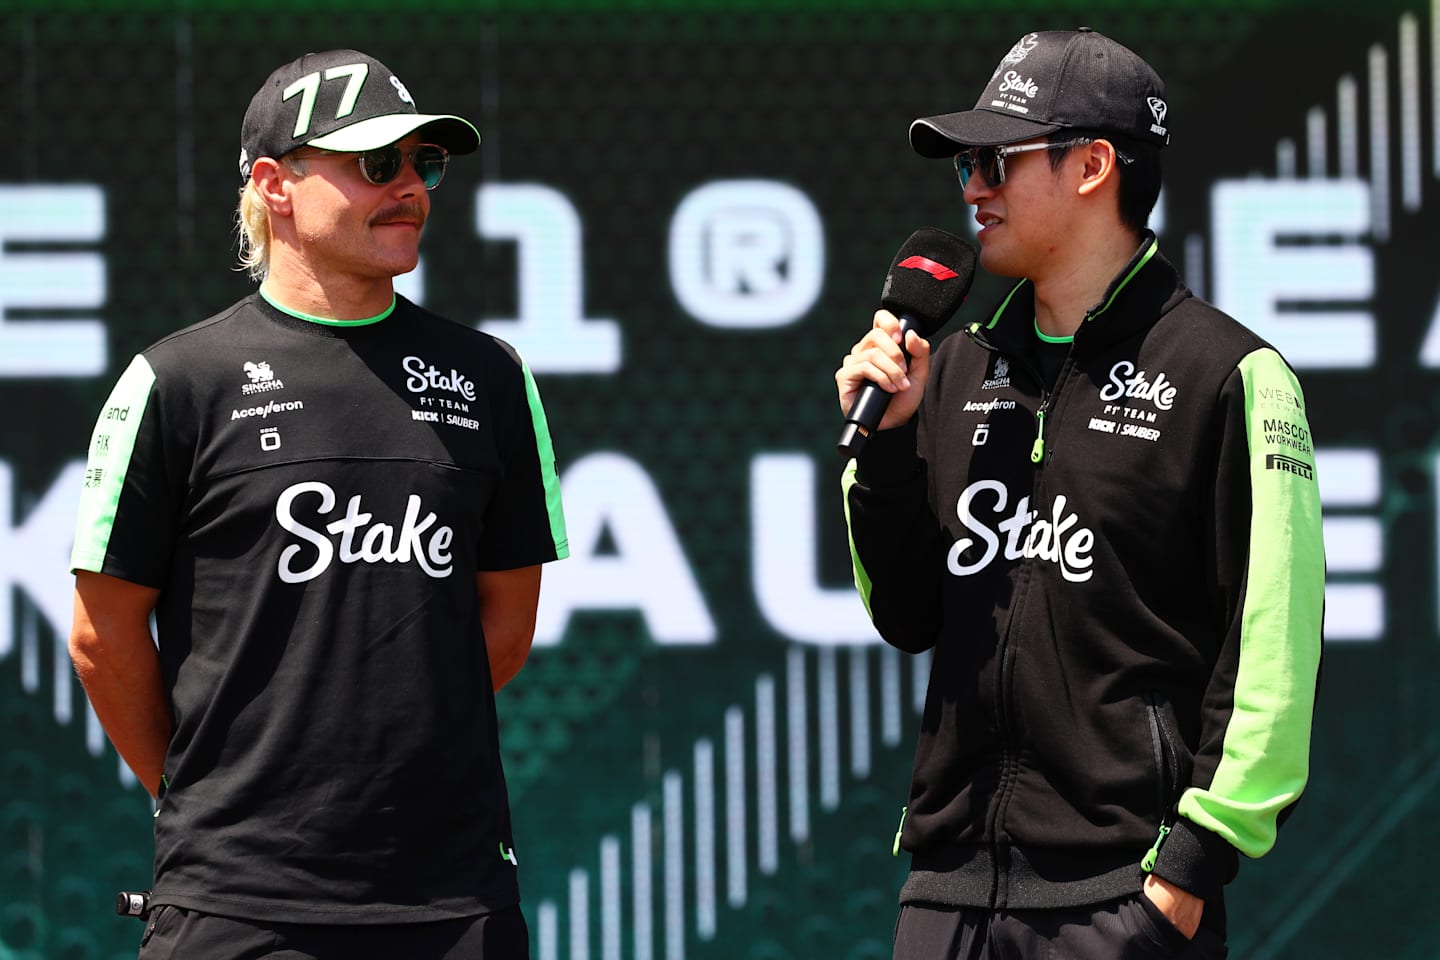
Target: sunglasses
383 164
989 162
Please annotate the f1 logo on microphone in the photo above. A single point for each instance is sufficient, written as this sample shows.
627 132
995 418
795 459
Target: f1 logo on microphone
937 270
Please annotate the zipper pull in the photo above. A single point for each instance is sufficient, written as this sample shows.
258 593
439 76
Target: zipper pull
899 829
164 788
1037 449
1148 864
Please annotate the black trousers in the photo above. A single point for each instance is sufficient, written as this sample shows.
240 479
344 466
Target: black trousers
1131 928
173 933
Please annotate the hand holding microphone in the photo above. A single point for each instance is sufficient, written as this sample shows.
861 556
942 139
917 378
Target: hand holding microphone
927 282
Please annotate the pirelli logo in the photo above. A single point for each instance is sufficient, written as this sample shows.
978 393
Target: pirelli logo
1278 461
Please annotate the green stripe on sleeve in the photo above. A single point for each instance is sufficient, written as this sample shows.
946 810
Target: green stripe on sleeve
111 446
1265 759
862 579
548 474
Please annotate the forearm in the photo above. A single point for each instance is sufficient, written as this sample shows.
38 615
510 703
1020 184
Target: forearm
893 537
119 667
128 695
507 656
508 600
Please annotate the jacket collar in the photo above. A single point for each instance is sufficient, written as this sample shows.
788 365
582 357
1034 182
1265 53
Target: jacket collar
1143 290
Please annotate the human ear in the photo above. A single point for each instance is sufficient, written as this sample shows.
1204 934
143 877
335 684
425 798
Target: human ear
272 181
1100 159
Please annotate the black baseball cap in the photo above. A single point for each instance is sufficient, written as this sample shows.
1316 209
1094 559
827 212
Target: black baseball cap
1050 81
340 100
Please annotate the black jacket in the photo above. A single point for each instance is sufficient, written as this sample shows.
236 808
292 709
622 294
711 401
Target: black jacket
1122 582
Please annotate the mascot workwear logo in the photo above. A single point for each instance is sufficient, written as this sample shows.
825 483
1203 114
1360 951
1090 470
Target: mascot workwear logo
355 538
1058 538
424 376
1281 432
937 270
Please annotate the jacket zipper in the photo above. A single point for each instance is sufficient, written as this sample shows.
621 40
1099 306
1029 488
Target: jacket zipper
899 831
1009 762
1047 397
1037 449
1008 772
1163 747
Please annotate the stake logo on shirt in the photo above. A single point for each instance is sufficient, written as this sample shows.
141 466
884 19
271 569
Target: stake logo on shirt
356 539
425 379
425 376
1126 383
1058 538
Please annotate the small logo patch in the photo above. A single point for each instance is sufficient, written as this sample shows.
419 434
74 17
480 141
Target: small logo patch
1158 110
1278 461
937 270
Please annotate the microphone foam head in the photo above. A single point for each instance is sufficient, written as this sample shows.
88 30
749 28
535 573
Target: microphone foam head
929 279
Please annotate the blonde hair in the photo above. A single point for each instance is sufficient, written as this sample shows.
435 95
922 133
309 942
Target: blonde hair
252 225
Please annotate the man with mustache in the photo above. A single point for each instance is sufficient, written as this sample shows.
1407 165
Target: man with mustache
1097 506
335 504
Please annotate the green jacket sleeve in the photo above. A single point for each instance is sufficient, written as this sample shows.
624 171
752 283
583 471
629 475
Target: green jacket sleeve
1269 583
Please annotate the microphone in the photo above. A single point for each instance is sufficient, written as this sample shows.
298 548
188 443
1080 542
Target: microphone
926 284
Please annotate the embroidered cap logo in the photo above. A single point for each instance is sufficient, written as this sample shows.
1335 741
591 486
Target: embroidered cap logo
1017 53
1158 110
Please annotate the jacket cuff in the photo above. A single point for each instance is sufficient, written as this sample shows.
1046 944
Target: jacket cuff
890 456
1196 860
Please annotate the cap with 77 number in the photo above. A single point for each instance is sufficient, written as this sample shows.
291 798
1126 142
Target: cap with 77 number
340 100
1050 81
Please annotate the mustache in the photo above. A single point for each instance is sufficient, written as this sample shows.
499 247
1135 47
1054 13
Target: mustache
407 211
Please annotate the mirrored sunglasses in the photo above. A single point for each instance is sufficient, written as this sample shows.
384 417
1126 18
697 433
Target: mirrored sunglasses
384 164
989 162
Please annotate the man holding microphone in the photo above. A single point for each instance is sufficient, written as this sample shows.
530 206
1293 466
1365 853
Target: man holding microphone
1098 508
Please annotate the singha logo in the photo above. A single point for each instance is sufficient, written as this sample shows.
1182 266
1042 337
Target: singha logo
258 371
1019 52
262 378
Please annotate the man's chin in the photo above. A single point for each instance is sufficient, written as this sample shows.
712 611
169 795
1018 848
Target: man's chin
997 266
398 262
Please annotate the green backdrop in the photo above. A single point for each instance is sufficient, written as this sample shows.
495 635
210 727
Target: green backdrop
682 213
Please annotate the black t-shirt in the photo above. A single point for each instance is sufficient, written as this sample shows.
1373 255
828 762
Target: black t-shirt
1050 354
313 500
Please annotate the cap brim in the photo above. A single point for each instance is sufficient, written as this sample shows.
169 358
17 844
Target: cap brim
453 133
944 135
